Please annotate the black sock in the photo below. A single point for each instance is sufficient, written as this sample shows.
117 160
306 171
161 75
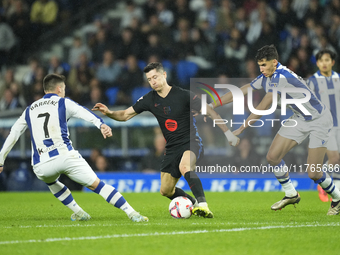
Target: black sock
195 185
180 193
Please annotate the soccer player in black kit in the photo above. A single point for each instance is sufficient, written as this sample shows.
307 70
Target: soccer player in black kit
172 106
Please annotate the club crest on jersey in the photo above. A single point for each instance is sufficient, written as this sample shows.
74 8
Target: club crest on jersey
171 125
273 85
167 110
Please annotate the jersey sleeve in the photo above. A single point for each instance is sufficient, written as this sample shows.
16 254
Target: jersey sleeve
257 82
17 129
142 103
75 110
195 102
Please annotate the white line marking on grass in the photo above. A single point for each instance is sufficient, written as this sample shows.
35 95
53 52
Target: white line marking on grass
48 240
147 224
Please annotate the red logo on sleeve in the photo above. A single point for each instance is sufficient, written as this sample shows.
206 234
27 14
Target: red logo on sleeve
171 125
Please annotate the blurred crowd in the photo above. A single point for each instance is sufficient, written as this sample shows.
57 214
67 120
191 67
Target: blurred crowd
202 38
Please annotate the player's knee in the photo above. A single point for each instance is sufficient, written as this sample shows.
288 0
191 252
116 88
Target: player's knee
184 168
314 175
334 160
272 160
165 193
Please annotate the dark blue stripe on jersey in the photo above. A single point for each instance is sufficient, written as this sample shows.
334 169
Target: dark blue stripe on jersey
316 87
63 123
120 202
253 81
321 179
68 200
199 138
263 83
36 157
111 195
329 81
329 192
48 142
298 84
99 187
53 153
307 117
332 104
59 193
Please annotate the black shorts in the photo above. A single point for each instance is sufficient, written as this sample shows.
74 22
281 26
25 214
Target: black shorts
173 156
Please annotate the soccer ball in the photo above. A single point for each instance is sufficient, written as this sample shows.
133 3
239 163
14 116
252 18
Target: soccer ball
180 208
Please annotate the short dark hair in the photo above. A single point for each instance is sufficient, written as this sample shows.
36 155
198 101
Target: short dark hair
52 80
267 52
154 65
325 51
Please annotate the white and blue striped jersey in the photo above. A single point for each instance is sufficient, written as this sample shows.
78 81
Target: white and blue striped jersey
47 119
285 78
327 89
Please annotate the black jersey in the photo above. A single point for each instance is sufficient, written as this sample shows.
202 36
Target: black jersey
174 114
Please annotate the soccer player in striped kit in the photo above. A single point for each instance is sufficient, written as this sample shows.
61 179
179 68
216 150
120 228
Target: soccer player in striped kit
52 150
274 78
326 85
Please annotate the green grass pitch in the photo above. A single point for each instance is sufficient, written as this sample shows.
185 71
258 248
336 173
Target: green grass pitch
37 223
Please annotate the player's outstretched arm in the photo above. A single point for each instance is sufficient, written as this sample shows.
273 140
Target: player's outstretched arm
263 105
232 139
1 169
122 115
228 97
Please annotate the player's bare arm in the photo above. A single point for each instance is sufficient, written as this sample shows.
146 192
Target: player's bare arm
233 139
263 105
1 168
228 97
122 115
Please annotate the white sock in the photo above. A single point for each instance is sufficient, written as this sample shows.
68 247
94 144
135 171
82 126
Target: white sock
112 196
203 204
64 195
327 184
282 175
336 180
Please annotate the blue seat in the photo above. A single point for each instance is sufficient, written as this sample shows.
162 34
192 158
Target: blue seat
184 71
167 65
20 179
111 94
138 93
141 64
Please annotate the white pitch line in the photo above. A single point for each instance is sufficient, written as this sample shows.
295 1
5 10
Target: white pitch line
149 223
48 240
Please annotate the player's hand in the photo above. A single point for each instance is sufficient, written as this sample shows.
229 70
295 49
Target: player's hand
232 139
237 132
1 168
235 141
195 113
106 131
101 107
